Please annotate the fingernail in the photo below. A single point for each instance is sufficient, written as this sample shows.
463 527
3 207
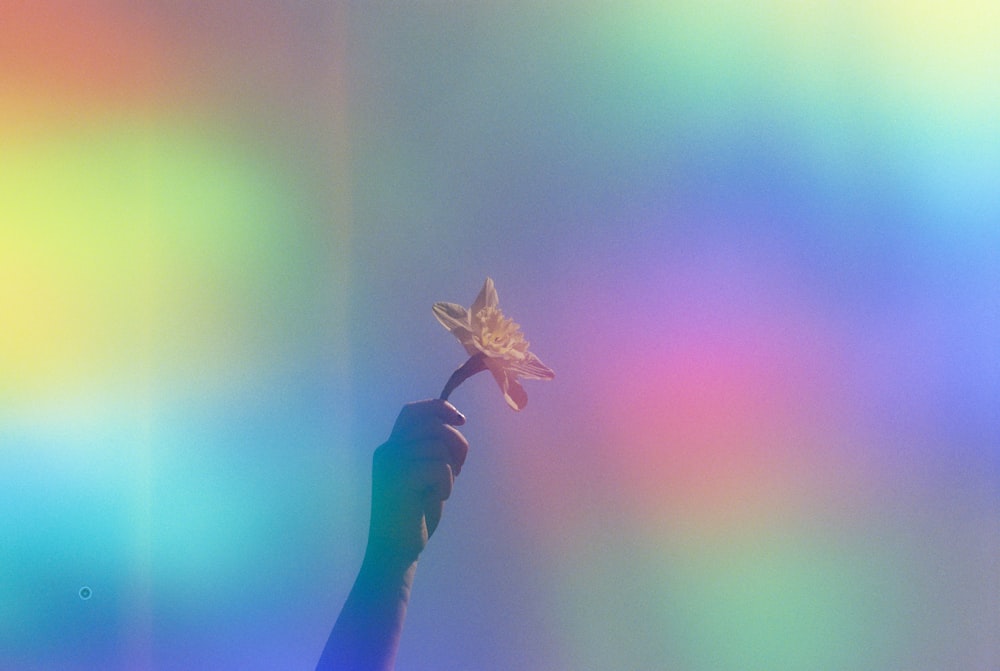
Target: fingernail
461 417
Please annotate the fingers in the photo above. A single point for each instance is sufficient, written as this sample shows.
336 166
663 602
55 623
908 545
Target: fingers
432 480
419 411
432 448
454 445
422 424
429 441
413 474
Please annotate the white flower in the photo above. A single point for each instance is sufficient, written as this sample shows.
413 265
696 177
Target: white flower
494 343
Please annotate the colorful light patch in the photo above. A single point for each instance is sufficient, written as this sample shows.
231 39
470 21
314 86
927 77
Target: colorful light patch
121 239
757 244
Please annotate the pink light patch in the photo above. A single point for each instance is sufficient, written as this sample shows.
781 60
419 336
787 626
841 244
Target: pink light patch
725 399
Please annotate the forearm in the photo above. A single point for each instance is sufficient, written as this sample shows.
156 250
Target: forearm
366 635
412 475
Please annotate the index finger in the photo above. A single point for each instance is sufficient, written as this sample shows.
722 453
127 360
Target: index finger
418 411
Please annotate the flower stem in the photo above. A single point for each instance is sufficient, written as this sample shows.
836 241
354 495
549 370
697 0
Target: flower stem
475 364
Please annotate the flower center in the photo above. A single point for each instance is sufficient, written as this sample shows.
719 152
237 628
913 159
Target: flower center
498 336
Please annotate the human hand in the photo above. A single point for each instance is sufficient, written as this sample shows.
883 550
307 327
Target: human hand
413 473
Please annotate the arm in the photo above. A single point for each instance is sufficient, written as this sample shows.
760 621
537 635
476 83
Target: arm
412 475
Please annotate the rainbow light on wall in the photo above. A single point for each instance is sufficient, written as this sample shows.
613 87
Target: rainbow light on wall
757 242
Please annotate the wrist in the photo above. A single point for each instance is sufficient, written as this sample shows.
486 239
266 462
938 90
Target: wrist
391 552
387 569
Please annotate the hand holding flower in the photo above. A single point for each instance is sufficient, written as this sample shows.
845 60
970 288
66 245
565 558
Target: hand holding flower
413 473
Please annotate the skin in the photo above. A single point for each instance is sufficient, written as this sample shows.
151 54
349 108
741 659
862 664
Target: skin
413 474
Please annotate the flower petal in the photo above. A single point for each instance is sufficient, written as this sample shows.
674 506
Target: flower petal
513 392
487 297
455 318
531 368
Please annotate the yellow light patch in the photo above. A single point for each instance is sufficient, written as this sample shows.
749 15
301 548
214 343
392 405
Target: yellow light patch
129 248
